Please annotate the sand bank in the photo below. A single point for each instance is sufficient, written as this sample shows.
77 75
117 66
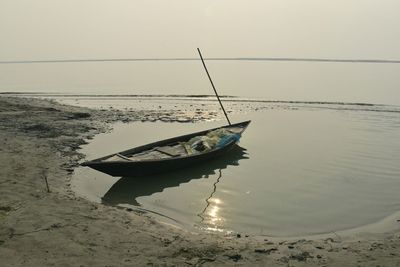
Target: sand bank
39 139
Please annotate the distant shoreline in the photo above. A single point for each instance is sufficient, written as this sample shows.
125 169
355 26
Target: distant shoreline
281 59
229 98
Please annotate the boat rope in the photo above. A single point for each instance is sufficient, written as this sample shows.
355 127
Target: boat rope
201 214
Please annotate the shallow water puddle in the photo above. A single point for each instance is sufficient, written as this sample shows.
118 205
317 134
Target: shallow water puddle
296 172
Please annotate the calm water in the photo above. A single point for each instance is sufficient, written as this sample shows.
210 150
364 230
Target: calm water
348 82
300 169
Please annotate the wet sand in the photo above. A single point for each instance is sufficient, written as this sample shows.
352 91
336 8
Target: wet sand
39 139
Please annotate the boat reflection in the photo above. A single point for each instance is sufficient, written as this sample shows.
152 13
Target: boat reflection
127 189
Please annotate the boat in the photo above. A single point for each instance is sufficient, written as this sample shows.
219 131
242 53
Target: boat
171 154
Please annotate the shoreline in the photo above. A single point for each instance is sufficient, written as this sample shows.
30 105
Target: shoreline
40 139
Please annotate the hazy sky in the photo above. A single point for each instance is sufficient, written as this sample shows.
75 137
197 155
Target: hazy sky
58 29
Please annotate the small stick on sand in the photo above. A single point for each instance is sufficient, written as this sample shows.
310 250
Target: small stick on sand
44 174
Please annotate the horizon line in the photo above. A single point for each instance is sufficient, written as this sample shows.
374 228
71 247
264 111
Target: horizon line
88 60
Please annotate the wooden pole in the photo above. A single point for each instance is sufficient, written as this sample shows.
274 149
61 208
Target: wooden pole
44 174
212 84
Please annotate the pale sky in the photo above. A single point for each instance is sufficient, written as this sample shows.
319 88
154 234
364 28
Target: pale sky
65 29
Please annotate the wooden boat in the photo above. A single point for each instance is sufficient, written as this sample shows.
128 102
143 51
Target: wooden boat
169 154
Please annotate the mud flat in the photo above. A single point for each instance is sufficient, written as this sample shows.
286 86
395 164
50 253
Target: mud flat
39 141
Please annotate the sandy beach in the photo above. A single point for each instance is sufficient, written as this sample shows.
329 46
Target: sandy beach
40 141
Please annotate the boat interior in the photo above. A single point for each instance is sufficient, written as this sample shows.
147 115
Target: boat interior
172 150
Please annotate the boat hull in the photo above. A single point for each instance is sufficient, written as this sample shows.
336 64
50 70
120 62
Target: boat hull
145 168
151 167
